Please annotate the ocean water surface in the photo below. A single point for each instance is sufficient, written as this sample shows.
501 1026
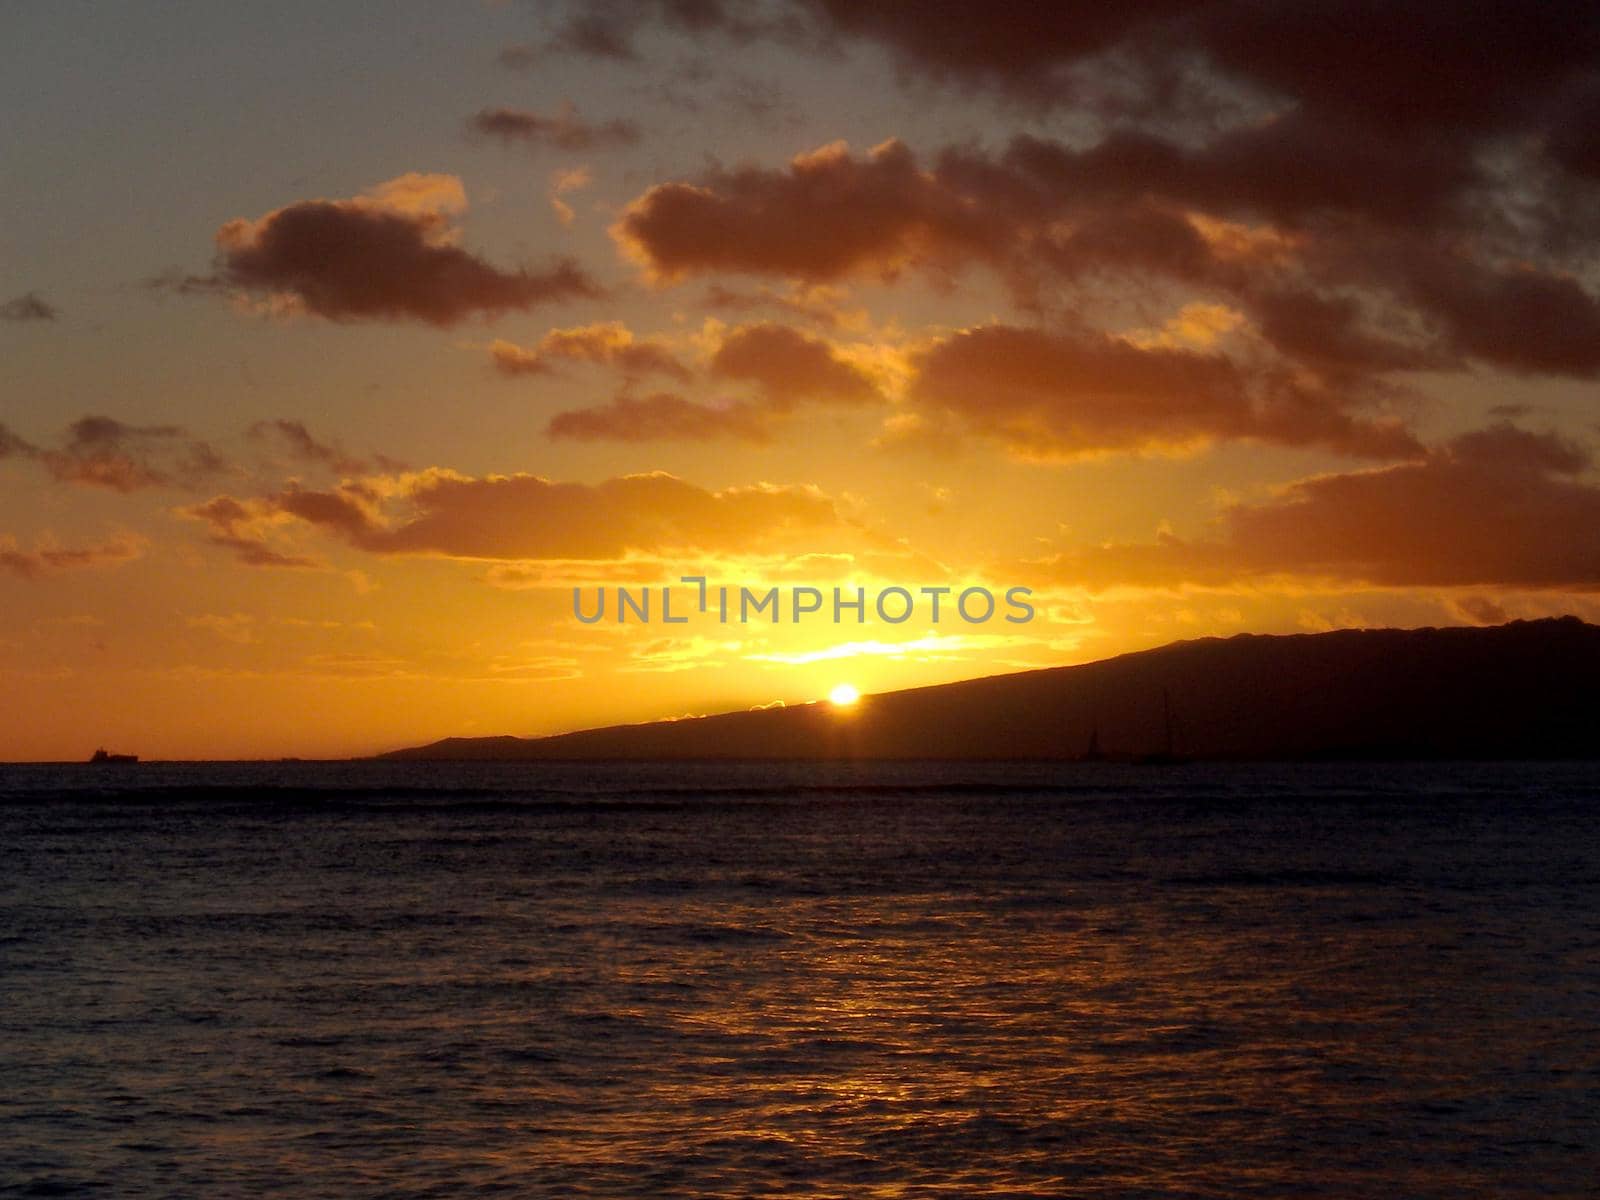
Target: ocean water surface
572 980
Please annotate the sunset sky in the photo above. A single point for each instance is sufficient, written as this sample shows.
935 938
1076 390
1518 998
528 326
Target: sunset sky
339 343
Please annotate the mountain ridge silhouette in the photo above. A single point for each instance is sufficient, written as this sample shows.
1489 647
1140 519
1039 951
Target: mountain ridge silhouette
1526 689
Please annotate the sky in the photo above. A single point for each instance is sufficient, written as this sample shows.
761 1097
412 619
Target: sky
340 344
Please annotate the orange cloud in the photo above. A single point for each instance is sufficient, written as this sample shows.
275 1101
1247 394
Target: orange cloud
244 527
561 182
610 343
519 517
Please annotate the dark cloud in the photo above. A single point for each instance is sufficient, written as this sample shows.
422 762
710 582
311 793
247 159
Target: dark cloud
831 215
1346 235
1479 69
99 451
14 446
785 367
47 559
826 216
177 282
610 344
1468 73
1365 259
1064 395
1574 137
1289 169
1380 188
791 367
1014 48
595 35
295 441
30 306
607 29
1500 507
1516 317
389 255
519 57
563 130
102 452
662 416
1336 334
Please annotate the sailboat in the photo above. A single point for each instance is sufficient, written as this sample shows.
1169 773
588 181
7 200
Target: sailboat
1093 753
1167 756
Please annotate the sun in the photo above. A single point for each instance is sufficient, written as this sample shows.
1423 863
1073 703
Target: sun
844 695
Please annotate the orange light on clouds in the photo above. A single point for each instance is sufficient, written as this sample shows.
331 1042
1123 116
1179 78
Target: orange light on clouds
352 453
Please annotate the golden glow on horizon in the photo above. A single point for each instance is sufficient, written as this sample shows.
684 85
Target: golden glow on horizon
245 525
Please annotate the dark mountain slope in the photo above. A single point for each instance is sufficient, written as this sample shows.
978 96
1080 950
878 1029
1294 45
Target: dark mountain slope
1530 689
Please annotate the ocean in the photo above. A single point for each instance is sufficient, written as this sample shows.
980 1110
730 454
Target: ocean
871 980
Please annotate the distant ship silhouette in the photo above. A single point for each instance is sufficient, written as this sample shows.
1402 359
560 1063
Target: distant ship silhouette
100 756
1168 755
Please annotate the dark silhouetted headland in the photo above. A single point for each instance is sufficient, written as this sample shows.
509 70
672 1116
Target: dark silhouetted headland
1526 690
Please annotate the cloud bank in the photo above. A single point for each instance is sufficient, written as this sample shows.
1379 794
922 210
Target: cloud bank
390 254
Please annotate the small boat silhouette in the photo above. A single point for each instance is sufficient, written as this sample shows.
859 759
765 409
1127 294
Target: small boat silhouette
100 756
1167 757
